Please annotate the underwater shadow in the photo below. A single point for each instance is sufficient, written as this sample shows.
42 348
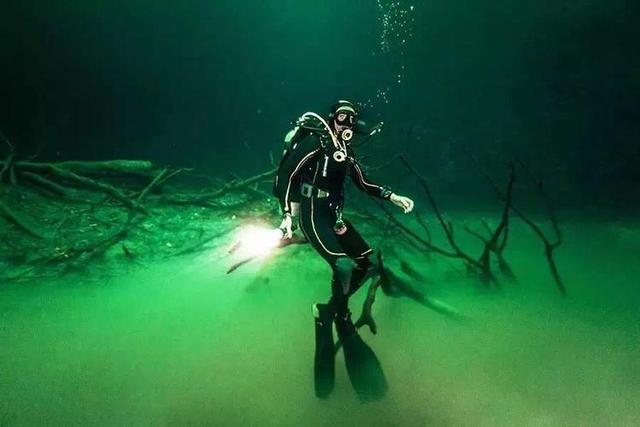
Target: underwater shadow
363 366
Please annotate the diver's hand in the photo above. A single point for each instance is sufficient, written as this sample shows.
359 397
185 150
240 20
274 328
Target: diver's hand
376 129
404 202
286 226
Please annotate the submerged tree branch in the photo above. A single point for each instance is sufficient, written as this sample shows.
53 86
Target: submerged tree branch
447 226
549 246
204 198
10 216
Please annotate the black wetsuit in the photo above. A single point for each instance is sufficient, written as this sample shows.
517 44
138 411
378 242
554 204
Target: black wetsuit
308 166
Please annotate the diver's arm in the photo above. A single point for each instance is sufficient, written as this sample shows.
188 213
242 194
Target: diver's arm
363 128
364 184
375 190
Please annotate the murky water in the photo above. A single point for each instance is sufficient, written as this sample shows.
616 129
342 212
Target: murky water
182 343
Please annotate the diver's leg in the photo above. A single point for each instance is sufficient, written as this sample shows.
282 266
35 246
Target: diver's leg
317 221
324 314
368 267
324 356
363 367
343 269
368 261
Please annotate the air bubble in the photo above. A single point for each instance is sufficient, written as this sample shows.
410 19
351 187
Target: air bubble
396 31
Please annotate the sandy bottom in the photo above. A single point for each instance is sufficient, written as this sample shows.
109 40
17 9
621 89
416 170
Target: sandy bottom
182 343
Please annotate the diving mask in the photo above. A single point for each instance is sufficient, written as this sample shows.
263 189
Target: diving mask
346 120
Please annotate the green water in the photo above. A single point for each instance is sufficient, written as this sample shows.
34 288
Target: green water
214 86
182 343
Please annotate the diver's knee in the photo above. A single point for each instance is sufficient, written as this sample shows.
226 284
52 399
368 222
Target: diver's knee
363 262
344 266
375 266
342 272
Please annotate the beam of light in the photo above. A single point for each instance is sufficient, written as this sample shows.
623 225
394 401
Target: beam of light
254 241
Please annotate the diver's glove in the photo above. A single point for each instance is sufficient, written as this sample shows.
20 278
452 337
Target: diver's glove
404 202
376 129
363 128
286 226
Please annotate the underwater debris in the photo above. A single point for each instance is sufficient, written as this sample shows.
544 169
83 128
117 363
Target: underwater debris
80 205
550 244
496 242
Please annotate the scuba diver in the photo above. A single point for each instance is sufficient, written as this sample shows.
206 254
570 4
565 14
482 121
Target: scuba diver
309 184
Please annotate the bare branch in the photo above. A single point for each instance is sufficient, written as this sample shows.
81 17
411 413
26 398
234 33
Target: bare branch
10 216
447 226
204 198
548 246
423 224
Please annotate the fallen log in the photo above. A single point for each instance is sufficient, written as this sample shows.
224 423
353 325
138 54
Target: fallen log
10 216
94 167
45 183
89 183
